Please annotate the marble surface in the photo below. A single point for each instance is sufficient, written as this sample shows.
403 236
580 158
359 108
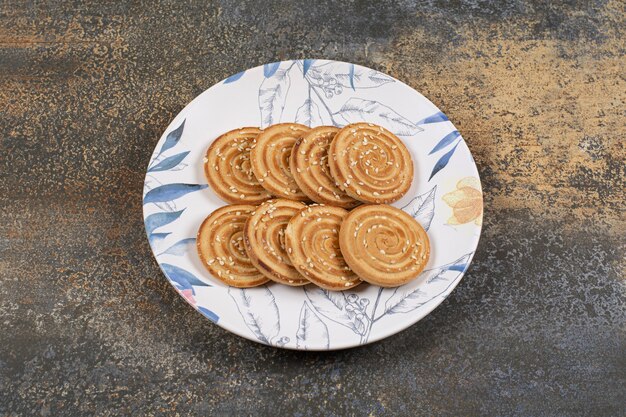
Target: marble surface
89 326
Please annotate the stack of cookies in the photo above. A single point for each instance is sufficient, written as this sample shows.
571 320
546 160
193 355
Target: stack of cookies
270 232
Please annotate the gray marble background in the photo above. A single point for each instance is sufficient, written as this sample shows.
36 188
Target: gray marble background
89 326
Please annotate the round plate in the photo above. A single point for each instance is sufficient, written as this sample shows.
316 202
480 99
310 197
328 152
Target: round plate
445 198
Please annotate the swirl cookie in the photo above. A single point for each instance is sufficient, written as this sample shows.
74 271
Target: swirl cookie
312 241
370 163
309 167
383 245
270 156
264 239
221 248
228 171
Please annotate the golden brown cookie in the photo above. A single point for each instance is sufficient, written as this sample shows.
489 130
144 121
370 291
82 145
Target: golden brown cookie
312 241
370 163
264 237
270 159
383 245
221 248
309 167
228 171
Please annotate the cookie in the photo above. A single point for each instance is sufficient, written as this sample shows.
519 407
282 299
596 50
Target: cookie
370 163
312 241
270 156
309 167
221 248
384 245
228 171
264 239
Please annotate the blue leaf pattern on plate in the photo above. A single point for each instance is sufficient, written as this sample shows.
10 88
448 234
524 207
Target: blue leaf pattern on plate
443 161
370 79
258 309
402 301
311 328
209 314
309 114
306 65
351 77
234 77
156 220
172 138
169 192
184 280
169 162
435 118
422 208
270 69
408 298
333 305
272 97
179 248
156 238
357 110
347 76
448 139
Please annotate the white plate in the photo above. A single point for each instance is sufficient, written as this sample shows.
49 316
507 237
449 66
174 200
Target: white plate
445 198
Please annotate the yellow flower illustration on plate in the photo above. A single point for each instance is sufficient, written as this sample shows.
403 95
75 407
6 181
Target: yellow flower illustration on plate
466 202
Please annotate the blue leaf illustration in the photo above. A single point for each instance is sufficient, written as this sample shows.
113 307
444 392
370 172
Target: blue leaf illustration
358 110
448 139
169 162
156 238
258 309
351 76
234 77
404 300
435 118
209 314
157 220
183 279
422 208
347 75
309 114
270 69
311 329
179 248
442 162
332 305
436 282
169 192
306 65
172 138
459 267
272 97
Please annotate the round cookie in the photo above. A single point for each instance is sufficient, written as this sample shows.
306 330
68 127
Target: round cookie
270 156
228 171
312 241
370 163
221 248
309 167
384 245
264 239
